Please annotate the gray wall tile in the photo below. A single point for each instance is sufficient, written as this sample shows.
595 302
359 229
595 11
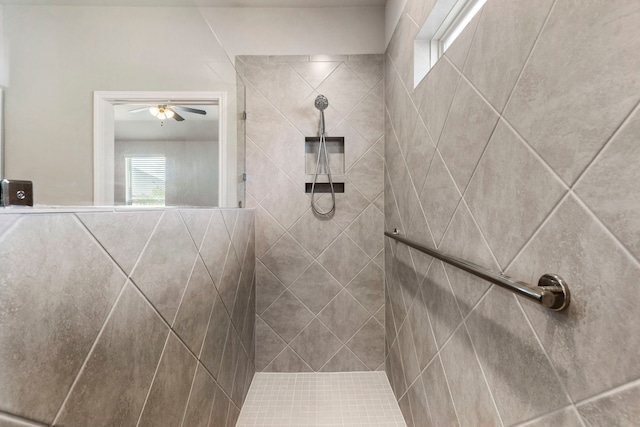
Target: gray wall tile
355 92
368 344
344 361
469 391
469 126
437 391
368 287
609 187
567 109
435 94
343 259
314 235
197 222
11 421
117 375
507 215
268 343
215 338
344 306
440 302
594 328
167 400
503 40
165 265
57 287
122 234
203 390
315 288
286 260
287 316
566 417
127 353
575 93
288 361
215 247
195 308
220 408
316 344
517 370
620 408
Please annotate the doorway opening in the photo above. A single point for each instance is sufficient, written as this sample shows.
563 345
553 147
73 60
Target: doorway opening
187 130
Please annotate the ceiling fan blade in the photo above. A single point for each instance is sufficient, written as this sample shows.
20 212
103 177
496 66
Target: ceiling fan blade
177 117
138 110
190 110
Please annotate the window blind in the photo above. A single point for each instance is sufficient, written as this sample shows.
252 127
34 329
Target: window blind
145 181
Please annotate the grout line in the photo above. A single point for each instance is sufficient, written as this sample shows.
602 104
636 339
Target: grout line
484 375
446 380
6 416
89 353
473 38
530 54
611 392
545 352
612 138
533 151
146 245
198 246
606 229
153 379
484 239
538 229
129 280
193 382
186 288
11 226
537 418
455 92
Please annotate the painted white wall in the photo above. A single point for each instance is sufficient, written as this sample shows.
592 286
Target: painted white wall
60 55
392 14
298 31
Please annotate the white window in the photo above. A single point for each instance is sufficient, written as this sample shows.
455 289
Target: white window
447 20
145 181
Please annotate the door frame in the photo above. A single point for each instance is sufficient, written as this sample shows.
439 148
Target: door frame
104 134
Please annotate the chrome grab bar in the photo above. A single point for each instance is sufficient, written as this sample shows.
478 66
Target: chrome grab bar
552 291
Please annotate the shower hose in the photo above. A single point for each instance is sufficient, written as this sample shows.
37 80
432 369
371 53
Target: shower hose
322 103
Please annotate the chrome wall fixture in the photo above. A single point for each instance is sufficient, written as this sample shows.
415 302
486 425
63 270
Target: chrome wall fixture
552 291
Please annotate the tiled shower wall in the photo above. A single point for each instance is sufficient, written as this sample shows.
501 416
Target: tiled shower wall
519 151
126 318
319 283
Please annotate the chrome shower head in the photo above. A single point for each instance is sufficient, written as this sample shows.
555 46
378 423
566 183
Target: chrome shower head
321 102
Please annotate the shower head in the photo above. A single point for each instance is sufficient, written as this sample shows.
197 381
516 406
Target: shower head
321 102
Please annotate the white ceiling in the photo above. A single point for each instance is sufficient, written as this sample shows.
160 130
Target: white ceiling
203 3
142 126
123 113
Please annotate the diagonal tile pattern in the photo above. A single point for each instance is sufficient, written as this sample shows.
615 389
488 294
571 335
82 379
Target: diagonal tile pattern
533 119
161 281
110 352
307 266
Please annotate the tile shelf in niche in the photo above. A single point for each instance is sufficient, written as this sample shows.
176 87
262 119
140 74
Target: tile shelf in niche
335 151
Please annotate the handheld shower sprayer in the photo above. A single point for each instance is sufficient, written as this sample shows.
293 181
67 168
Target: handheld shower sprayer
321 104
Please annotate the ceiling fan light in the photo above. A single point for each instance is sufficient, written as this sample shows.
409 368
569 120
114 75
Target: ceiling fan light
154 110
169 113
161 116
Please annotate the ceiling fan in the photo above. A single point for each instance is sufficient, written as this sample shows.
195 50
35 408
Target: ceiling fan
166 111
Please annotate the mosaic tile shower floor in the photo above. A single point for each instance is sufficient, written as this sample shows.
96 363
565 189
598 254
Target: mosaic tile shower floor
353 399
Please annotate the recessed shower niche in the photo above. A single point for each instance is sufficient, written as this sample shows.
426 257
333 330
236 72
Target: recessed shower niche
335 153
